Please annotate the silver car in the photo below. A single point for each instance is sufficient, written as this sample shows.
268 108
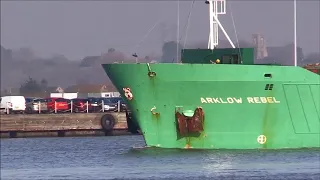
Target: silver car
32 105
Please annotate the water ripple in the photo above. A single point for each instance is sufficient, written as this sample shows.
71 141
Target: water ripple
115 158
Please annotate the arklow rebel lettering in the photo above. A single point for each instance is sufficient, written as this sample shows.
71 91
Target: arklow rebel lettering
239 100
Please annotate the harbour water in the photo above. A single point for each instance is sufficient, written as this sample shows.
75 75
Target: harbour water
123 157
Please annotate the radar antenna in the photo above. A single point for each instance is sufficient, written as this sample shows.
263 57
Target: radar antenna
216 7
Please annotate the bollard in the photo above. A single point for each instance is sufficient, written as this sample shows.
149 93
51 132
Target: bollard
55 107
71 104
7 108
102 105
119 104
87 107
39 107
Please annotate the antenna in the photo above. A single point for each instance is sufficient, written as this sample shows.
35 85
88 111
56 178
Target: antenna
295 31
178 30
216 7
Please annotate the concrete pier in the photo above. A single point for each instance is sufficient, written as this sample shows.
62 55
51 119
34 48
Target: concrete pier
66 124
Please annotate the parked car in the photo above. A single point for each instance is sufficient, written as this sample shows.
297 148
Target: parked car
113 103
36 105
95 103
81 105
123 104
13 104
107 104
59 104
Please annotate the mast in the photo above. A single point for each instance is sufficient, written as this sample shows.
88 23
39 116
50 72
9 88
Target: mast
295 31
216 7
178 30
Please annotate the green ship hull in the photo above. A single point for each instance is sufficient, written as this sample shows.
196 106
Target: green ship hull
213 106
218 98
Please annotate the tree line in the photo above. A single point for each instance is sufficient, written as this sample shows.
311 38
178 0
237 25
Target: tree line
16 64
31 87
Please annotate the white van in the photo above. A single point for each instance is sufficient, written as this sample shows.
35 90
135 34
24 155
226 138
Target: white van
13 104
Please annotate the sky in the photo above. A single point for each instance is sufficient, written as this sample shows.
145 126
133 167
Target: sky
82 28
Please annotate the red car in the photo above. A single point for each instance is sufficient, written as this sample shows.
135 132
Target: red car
60 104
80 105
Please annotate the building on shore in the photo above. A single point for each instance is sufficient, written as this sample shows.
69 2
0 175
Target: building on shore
87 90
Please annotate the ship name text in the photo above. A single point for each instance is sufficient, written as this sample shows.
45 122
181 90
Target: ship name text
235 100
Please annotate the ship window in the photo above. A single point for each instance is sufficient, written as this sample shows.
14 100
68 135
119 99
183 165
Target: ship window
235 59
231 59
271 87
268 75
268 87
226 59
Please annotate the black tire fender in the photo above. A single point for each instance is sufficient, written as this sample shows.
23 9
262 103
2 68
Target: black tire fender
107 122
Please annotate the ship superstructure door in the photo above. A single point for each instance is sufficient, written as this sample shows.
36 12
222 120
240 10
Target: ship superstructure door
303 106
231 59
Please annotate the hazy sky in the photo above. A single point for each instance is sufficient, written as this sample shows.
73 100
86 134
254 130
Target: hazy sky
80 28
